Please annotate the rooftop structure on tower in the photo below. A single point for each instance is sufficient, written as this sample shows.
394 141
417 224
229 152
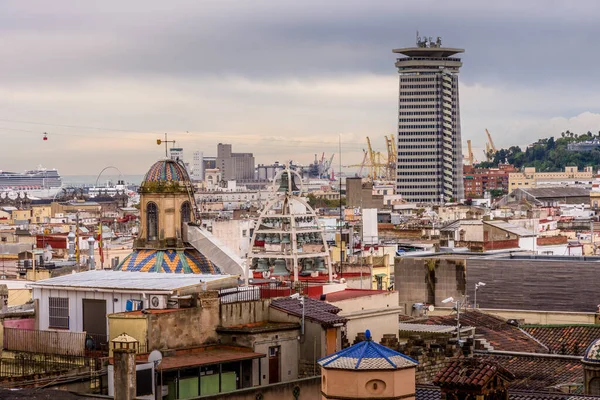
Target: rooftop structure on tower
288 240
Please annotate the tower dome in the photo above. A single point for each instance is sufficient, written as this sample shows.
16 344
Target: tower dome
166 170
167 206
592 354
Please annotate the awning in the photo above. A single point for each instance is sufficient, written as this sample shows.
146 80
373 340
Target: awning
207 357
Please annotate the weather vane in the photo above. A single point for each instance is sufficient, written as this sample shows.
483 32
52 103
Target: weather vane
160 141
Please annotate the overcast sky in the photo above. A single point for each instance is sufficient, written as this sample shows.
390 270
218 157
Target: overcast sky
282 79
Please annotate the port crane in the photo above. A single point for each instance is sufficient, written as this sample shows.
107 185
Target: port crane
490 148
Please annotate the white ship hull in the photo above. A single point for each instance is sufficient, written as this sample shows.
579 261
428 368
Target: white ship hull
36 193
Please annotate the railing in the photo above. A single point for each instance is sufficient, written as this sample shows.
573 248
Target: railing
96 343
264 291
30 364
46 342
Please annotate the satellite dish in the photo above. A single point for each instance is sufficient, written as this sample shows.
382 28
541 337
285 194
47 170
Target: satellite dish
431 308
12 195
155 357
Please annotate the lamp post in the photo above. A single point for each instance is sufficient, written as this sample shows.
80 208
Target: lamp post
477 286
457 304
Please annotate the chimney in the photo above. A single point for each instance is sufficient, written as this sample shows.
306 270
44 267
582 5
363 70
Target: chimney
124 351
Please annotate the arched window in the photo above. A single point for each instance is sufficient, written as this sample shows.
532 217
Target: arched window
152 220
595 387
186 215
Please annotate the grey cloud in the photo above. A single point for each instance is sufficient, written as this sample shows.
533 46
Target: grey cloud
514 42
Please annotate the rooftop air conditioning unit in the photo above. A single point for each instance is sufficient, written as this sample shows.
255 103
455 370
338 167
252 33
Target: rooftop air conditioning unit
157 302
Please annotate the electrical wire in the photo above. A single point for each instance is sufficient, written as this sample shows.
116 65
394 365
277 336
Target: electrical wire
290 143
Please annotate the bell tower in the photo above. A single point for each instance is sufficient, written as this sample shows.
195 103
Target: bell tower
166 205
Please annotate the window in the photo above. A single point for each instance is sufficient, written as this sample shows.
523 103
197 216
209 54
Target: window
152 221
58 312
186 215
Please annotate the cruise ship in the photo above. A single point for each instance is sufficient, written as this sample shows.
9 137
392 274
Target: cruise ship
40 182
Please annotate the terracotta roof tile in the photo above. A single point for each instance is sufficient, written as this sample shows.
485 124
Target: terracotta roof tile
539 373
472 373
315 310
565 339
496 331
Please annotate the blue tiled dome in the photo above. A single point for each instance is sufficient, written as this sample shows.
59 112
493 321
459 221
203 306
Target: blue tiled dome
166 171
367 355
592 354
188 261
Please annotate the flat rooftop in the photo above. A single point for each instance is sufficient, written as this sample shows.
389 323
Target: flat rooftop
434 52
125 280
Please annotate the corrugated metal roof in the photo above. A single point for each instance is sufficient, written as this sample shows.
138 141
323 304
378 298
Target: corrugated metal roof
557 191
128 280
505 226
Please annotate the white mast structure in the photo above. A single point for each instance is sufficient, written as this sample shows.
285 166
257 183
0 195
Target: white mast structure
288 239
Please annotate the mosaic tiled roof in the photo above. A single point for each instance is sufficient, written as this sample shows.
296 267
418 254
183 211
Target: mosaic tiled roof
470 373
166 171
565 339
188 261
315 310
592 354
496 331
367 355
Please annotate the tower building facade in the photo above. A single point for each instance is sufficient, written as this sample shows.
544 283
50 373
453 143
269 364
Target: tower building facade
429 142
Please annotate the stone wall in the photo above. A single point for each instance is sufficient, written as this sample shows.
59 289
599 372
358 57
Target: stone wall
244 312
428 280
186 327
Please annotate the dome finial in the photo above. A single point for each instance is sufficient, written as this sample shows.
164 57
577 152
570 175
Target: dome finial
368 335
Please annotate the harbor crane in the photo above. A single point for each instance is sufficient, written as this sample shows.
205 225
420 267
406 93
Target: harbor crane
490 148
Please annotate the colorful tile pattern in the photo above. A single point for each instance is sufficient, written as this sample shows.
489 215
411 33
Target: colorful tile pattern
166 171
592 354
189 261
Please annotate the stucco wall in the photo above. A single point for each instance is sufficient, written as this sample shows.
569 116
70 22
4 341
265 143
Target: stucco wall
360 384
313 344
373 302
183 328
135 325
260 343
244 313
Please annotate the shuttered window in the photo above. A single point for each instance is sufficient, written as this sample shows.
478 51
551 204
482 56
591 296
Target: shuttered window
58 312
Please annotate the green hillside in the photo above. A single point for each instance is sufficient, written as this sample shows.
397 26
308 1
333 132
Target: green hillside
549 155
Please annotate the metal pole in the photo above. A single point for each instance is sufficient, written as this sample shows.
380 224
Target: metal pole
475 301
166 153
458 321
302 328
341 214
